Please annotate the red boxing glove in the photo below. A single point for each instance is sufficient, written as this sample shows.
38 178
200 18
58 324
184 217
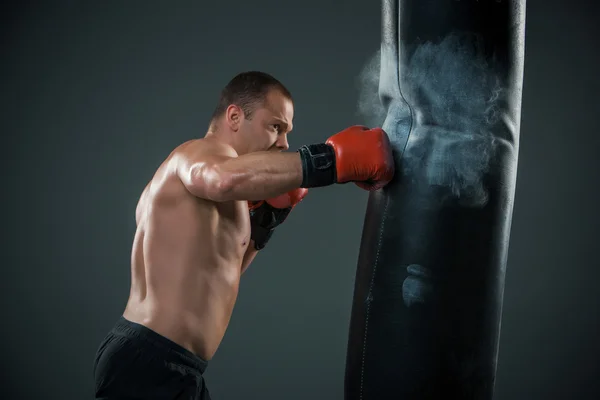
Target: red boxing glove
266 215
363 156
289 199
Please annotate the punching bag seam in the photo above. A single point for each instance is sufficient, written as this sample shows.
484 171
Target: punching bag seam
410 109
371 283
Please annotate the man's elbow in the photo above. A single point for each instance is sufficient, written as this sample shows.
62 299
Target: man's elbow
211 183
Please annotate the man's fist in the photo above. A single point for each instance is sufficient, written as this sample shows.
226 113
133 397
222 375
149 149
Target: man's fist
363 156
356 154
266 215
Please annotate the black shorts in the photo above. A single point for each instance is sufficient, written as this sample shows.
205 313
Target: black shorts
134 362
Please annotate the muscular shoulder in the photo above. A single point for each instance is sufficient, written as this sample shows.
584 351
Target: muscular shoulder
196 164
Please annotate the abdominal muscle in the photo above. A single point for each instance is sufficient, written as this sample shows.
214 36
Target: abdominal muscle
185 266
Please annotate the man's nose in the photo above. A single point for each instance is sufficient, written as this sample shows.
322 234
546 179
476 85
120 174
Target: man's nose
282 142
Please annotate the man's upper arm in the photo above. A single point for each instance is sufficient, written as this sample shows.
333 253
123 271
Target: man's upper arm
139 209
249 256
198 167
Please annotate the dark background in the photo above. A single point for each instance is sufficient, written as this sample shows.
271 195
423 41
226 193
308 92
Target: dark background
96 94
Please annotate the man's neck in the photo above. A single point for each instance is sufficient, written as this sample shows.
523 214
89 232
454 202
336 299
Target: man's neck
226 137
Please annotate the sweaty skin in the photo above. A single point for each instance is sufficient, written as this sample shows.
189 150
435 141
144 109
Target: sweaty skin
193 228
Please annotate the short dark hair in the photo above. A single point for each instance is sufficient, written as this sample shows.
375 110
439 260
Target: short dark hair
248 91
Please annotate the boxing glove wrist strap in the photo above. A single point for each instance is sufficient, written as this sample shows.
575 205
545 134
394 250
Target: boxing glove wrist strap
318 165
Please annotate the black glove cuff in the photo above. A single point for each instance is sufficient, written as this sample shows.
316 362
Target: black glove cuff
261 236
263 221
318 165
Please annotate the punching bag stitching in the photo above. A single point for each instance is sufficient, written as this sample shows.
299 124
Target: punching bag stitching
371 283
386 10
410 108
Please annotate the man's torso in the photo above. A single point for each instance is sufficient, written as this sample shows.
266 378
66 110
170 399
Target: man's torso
185 262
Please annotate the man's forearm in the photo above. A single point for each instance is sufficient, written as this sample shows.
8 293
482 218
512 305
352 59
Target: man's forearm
260 175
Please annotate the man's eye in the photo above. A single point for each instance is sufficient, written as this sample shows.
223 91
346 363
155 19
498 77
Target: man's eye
277 127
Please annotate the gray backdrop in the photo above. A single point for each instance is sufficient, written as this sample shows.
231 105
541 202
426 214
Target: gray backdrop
95 94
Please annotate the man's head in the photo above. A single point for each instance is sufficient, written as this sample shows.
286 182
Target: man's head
257 109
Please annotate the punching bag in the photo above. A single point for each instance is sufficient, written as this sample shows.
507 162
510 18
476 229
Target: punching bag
427 304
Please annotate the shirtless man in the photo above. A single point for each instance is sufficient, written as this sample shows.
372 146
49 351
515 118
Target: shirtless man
201 221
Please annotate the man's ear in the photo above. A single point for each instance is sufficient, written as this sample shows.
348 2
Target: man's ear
234 117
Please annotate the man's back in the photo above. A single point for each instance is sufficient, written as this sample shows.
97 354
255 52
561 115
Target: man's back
186 258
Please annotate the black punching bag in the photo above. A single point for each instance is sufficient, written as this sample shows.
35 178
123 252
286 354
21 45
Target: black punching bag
427 304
